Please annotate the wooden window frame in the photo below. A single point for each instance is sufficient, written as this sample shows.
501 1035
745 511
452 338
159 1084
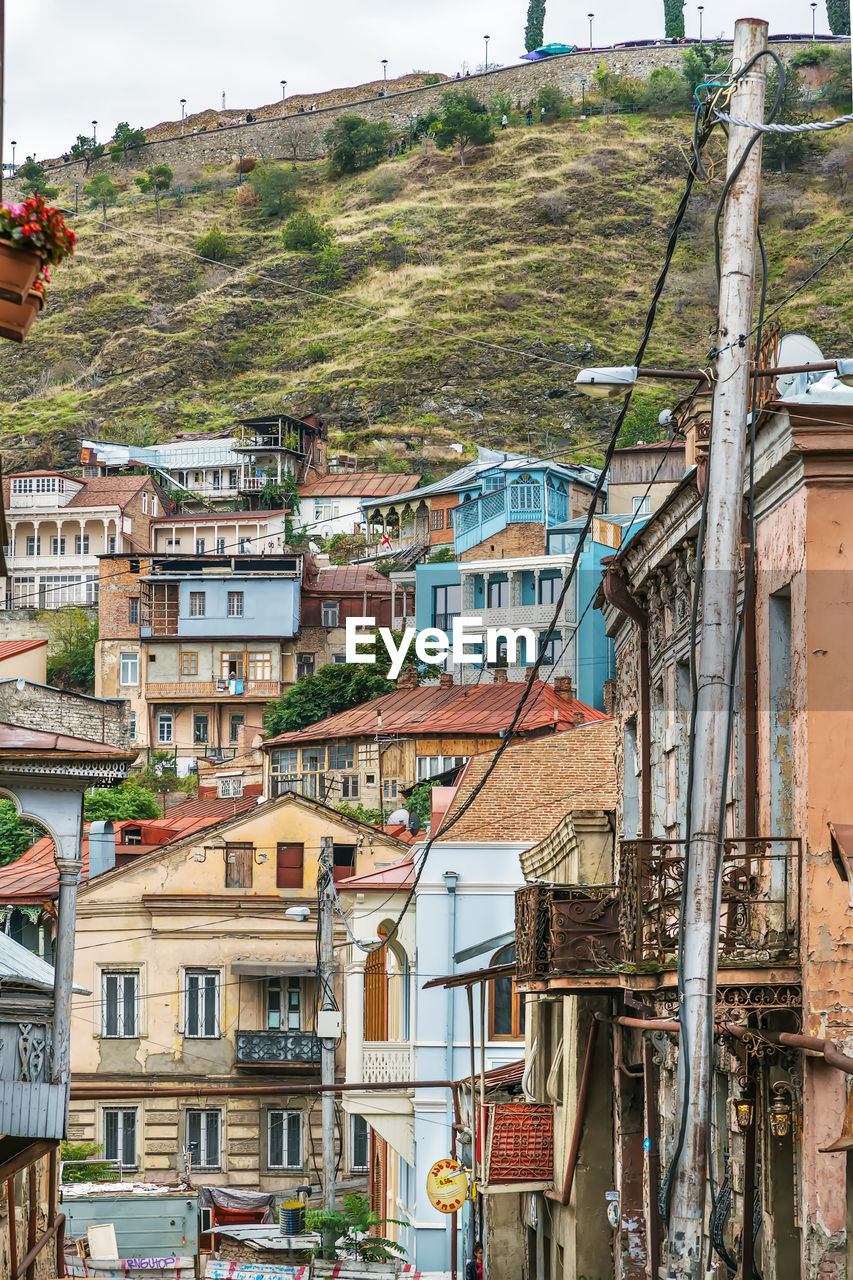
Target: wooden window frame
517 1015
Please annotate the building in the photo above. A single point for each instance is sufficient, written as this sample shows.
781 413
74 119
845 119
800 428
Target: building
334 503
498 506
411 1006
779 1130
58 526
215 469
330 595
23 659
373 752
196 645
203 1043
642 475
220 533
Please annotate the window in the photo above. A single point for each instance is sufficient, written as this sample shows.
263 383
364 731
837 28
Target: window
120 1135
260 666
133 726
111 544
199 546
129 672
389 788
235 723
239 859
119 1004
289 866
81 544
446 605
339 659
133 610
33 546
436 519
164 726
349 786
506 1014
326 510
359 1144
200 728
550 652
202 1004
220 546
245 546
431 766
232 665
153 505
145 504
285 1139
343 861
490 483
549 590
217 479
132 835
284 1004
197 604
284 765
330 613
498 594
203 1138
341 755
304 665
235 604
189 664
641 506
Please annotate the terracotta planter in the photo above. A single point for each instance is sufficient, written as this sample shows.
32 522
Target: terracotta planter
16 320
18 271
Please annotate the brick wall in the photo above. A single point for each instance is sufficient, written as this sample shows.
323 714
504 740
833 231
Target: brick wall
444 503
117 586
55 711
515 540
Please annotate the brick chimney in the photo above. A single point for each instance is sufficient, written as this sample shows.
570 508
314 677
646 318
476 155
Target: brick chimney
563 686
408 678
500 675
578 718
445 680
610 697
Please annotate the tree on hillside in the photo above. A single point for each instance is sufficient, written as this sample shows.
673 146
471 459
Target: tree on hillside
35 180
464 121
838 13
158 178
673 17
277 190
72 635
87 150
354 143
110 804
784 151
534 32
304 231
703 62
334 688
16 835
101 191
124 141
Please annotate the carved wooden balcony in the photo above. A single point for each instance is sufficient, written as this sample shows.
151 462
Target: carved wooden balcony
277 1048
30 1106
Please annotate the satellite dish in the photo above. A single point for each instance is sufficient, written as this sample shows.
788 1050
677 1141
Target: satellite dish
414 824
795 348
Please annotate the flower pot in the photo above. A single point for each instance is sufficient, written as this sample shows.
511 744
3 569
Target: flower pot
16 320
18 271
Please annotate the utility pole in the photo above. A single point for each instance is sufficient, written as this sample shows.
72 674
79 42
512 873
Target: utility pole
326 908
725 482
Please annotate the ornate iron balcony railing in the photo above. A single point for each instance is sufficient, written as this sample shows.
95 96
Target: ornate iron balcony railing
277 1048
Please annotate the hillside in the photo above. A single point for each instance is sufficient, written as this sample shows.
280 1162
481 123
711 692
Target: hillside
547 243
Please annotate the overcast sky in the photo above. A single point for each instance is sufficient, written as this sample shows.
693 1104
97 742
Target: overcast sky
71 61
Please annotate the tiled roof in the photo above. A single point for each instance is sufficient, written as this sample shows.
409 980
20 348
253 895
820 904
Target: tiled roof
34 742
34 877
359 484
217 517
461 709
350 577
11 648
536 783
103 490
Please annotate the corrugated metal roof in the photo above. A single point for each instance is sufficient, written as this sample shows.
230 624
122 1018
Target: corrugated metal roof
11 648
359 484
398 876
349 577
17 964
493 460
15 740
463 709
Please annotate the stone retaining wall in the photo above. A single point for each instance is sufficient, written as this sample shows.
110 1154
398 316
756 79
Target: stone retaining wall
301 136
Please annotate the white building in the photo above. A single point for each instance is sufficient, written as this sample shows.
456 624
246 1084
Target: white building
332 504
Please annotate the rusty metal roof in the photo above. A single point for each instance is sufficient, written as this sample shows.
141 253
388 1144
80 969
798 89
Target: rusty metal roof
462 709
359 484
28 743
348 577
11 648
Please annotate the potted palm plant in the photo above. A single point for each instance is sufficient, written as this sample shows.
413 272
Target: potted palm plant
347 1235
33 237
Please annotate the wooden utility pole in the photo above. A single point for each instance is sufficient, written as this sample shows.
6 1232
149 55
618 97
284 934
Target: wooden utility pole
726 465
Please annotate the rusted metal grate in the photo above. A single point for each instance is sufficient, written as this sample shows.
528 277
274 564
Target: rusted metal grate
520 1143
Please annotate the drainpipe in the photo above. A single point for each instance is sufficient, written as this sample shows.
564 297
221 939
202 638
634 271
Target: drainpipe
450 881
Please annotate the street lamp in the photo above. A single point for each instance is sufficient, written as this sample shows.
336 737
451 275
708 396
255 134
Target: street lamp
14 144
76 196
412 129
583 99
183 114
814 14
701 9
590 16
487 38
240 170
384 77
94 133
283 88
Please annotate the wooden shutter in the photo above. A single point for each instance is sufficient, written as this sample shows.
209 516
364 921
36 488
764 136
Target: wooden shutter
238 864
375 996
289 863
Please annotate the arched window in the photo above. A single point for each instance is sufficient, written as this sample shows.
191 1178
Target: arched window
506 1012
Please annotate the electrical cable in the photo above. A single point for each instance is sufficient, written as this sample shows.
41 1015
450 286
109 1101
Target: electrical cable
809 126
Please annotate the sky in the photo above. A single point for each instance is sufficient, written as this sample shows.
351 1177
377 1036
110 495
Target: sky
71 61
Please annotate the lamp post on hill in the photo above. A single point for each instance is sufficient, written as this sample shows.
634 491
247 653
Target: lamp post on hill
583 99
14 144
384 77
590 16
814 15
283 91
487 38
94 133
183 114
701 9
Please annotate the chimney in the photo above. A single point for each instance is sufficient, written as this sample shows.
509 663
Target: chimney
499 675
578 719
102 848
445 680
609 696
563 686
408 678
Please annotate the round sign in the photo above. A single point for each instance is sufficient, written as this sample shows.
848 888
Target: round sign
447 1185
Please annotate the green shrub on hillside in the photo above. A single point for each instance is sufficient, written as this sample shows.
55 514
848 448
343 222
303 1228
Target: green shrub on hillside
35 180
354 143
214 245
551 98
666 91
304 231
277 191
465 122
386 184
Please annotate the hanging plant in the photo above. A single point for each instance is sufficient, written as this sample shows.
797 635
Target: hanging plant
33 236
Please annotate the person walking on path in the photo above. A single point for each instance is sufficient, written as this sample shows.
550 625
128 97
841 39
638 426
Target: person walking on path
504 121
529 116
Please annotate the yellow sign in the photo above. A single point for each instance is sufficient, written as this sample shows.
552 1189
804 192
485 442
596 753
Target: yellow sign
447 1185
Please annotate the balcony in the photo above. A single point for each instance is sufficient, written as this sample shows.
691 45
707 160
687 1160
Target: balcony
602 931
277 1048
194 690
386 1063
30 1106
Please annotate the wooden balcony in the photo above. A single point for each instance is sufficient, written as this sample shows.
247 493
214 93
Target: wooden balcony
197 690
277 1048
30 1106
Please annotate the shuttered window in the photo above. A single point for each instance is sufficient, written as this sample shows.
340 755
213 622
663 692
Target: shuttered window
119 1003
289 866
202 1004
285 1139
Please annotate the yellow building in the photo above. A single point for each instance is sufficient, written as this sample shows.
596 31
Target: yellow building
197 1043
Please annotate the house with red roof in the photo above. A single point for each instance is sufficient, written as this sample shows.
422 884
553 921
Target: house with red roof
24 659
332 503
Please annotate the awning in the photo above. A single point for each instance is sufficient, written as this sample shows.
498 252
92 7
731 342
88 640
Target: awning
470 979
841 839
273 969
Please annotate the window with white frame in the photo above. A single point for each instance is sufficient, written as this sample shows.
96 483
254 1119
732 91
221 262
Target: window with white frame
549 590
33 545
165 724
153 505
235 604
491 483
641 506
245 546
230 788
220 546
199 546
57 546
129 668
285 1139
197 609
359 1144
431 766
120 1135
330 613
111 543
204 1137
133 726
201 1000
145 504
120 1003
81 544
324 510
